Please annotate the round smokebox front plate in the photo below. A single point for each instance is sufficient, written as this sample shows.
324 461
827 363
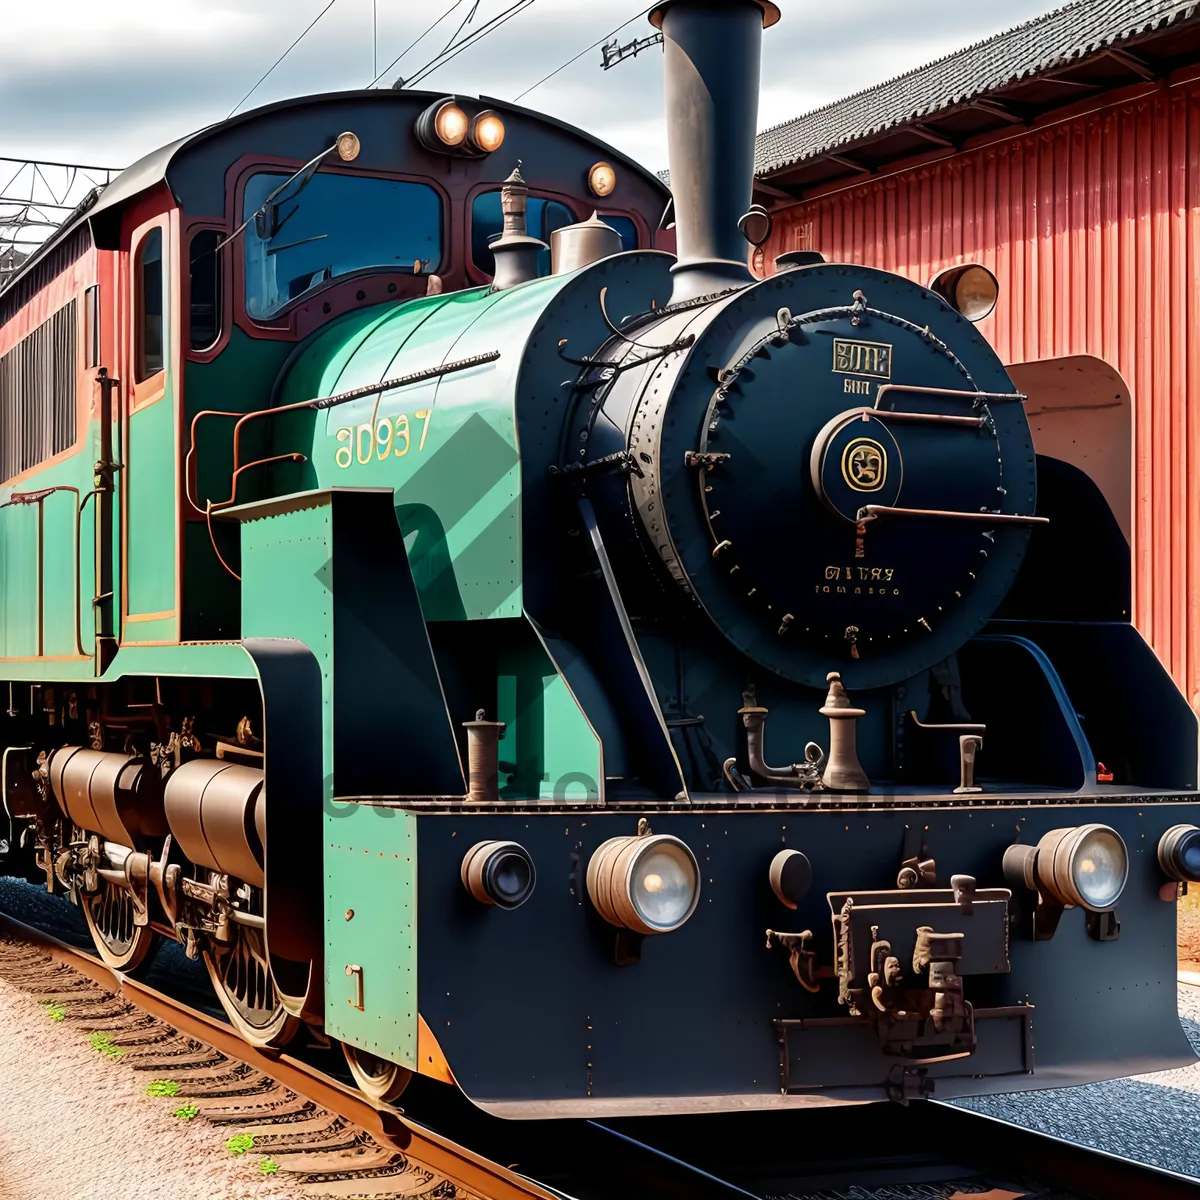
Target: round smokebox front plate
769 539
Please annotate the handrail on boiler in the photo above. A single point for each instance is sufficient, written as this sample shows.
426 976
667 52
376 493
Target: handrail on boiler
320 402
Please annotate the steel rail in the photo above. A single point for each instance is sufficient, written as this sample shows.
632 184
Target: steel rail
386 1124
960 1135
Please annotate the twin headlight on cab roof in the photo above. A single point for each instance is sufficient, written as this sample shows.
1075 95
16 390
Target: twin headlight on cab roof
451 127
448 128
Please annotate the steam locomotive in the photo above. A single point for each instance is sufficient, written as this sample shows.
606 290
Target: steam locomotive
400 566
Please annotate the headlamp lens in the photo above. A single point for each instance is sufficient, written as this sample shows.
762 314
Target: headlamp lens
602 179
663 885
1099 868
1179 853
451 124
487 133
976 293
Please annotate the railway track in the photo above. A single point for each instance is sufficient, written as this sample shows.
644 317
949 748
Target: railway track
336 1144
326 1134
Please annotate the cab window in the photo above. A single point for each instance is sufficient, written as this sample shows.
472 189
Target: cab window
149 282
329 225
204 267
624 227
542 218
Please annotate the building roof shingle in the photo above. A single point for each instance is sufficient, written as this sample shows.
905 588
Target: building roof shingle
1037 47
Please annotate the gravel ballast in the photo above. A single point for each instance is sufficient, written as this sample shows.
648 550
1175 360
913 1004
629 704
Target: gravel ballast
76 1125
1149 1118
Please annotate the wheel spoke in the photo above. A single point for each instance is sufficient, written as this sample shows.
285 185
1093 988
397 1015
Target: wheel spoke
121 942
241 975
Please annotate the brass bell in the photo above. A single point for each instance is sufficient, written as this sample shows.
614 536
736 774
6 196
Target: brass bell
843 773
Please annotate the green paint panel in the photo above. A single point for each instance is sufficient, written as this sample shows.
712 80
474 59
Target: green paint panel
213 660
446 446
546 738
371 870
290 556
58 573
316 368
287 566
18 526
150 472
19 567
374 357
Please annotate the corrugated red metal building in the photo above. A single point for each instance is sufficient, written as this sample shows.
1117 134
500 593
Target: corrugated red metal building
1065 156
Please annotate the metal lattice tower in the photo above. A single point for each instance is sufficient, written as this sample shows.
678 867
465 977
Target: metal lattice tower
613 52
36 197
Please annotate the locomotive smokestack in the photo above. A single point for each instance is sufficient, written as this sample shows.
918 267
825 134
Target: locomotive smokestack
712 51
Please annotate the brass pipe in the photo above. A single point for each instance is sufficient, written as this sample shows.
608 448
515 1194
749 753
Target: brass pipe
958 393
872 512
225 749
210 507
797 775
189 461
890 414
245 918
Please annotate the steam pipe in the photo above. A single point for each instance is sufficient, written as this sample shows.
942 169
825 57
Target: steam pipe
796 775
712 51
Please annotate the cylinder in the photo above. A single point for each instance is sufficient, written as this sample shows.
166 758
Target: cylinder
575 246
216 811
116 795
483 759
712 51
843 772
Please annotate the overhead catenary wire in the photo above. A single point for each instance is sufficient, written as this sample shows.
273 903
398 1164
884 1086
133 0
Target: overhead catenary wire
473 38
455 4
462 25
587 50
263 78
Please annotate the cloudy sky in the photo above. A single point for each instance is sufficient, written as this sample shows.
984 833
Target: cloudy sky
105 83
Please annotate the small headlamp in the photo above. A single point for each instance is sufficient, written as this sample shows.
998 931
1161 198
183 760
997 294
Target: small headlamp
646 883
1084 866
602 179
450 124
487 132
1179 853
970 288
499 873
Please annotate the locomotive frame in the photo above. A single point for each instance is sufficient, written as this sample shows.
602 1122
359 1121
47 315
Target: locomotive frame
441 567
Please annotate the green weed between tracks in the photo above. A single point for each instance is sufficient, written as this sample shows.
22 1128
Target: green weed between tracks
240 1143
54 1010
185 1112
103 1042
268 1166
162 1087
